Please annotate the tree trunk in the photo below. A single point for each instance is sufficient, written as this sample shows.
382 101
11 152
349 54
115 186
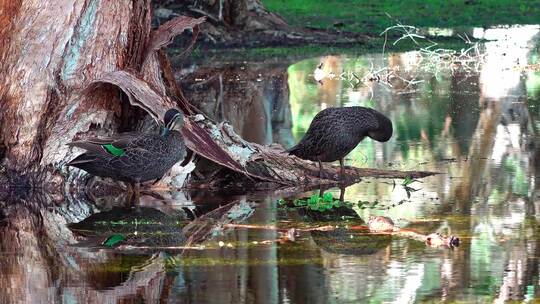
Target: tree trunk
53 50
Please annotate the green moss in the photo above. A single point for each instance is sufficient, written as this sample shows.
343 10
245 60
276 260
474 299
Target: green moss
371 16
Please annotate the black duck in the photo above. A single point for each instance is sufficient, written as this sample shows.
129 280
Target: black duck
334 132
134 157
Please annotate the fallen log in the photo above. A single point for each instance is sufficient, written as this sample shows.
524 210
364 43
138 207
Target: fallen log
274 168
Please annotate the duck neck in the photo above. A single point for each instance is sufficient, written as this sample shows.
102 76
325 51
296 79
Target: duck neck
171 136
165 132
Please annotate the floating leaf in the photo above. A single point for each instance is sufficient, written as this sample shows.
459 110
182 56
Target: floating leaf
407 181
113 240
327 197
299 202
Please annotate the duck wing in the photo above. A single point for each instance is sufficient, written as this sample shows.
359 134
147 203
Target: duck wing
321 132
109 146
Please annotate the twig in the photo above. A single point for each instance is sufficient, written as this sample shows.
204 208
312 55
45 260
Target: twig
272 227
431 59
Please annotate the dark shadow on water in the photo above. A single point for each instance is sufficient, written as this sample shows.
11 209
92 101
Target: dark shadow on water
345 241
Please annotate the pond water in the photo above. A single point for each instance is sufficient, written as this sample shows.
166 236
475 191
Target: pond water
477 123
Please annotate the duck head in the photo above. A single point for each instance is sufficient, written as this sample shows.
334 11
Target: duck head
173 120
385 130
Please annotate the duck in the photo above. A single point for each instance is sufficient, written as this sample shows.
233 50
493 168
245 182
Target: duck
134 157
335 132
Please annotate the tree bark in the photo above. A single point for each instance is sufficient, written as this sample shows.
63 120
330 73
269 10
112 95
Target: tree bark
53 50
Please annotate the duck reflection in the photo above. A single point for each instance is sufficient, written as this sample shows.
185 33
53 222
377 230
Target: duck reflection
51 246
343 240
142 226
42 262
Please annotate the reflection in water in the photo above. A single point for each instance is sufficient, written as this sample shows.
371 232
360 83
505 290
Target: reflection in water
41 264
474 127
254 99
480 130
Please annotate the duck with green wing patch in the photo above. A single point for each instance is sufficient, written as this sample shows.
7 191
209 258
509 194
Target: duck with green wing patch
134 157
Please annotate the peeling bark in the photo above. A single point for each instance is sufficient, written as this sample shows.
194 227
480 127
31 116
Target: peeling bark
165 34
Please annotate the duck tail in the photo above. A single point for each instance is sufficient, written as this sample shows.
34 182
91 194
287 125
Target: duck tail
294 150
81 160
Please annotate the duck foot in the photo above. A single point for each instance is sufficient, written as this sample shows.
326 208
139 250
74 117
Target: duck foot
342 177
133 194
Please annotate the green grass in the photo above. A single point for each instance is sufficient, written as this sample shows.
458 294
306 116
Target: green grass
370 16
295 53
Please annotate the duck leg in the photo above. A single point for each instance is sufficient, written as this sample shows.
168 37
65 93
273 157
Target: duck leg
342 170
320 169
137 195
321 191
342 193
129 195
